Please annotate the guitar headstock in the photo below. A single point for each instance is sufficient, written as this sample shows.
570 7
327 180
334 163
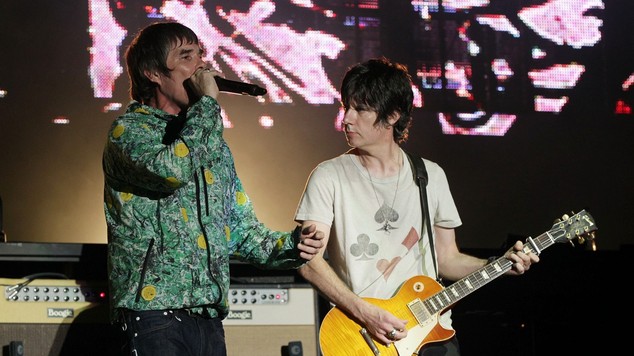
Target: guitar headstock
578 226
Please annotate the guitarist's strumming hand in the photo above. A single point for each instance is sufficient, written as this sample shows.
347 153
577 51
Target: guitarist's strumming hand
521 257
383 325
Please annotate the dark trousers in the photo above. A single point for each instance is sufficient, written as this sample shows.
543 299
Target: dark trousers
172 333
446 348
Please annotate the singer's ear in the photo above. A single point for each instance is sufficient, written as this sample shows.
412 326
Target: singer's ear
154 77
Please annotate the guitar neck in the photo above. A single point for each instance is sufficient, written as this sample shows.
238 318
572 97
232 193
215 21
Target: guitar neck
482 276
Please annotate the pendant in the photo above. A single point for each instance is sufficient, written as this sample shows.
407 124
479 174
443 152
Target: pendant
386 227
386 215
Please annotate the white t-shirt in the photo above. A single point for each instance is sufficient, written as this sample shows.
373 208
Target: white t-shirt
375 240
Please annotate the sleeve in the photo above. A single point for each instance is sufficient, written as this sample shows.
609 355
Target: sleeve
158 155
317 201
446 213
251 241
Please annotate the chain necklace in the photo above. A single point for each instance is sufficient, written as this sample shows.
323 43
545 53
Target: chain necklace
386 214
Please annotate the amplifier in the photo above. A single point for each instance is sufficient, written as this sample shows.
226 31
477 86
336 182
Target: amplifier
55 317
52 301
272 320
50 317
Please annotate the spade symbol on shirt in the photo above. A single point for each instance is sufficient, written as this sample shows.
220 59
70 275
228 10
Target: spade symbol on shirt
385 215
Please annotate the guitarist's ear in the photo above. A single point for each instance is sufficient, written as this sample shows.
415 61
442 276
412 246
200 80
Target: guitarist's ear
393 118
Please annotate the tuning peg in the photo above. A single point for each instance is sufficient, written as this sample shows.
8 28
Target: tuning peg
591 238
593 245
565 217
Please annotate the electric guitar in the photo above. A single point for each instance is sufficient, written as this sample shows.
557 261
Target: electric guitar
421 299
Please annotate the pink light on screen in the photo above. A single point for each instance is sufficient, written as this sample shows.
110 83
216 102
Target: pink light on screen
418 97
339 119
501 69
564 22
496 125
288 61
558 76
628 82
462 4
303 3
456 75
302 60
553 105
294 52
107 36
499 23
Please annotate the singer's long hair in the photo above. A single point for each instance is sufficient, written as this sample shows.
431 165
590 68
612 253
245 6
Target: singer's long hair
148 52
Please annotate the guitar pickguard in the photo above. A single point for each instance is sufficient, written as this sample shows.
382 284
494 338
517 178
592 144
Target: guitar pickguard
411 343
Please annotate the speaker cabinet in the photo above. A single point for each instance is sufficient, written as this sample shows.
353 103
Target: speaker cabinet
59 339
272 320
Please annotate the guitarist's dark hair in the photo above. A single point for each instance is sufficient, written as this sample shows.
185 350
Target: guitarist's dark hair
382 86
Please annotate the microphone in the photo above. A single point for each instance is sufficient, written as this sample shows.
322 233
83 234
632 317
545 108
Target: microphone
231 86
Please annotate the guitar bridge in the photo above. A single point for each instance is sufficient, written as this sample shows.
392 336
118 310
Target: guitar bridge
369 341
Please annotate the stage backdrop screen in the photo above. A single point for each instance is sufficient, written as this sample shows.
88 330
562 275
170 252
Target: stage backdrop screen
526 104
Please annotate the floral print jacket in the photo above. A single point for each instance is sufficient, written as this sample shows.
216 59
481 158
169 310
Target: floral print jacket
176 212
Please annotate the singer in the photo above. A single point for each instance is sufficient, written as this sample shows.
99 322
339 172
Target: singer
175 208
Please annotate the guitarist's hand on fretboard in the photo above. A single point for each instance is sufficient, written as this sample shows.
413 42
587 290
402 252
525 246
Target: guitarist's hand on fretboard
521 257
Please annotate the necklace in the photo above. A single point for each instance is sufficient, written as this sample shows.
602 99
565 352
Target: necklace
386 214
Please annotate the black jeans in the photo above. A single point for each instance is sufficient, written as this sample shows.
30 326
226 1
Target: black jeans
172 333
446 348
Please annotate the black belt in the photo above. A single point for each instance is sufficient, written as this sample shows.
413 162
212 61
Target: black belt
204 314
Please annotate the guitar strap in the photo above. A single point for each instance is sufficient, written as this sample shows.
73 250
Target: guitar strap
420 177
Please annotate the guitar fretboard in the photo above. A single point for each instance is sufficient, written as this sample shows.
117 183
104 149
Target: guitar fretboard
560 232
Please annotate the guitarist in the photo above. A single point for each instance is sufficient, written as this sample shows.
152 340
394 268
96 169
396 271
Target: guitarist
369 207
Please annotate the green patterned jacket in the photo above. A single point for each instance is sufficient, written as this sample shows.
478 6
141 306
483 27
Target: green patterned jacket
176 212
